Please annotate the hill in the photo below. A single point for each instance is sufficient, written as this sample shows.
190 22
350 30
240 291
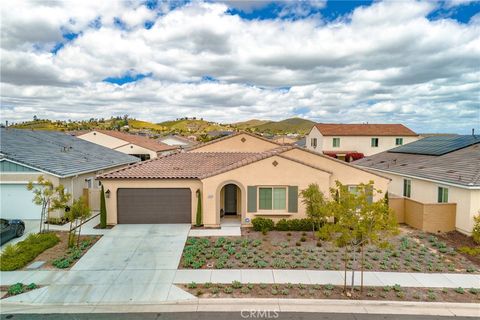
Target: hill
292 125
189 125
249 124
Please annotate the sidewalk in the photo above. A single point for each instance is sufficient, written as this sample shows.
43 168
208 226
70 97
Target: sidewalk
183 276
247 305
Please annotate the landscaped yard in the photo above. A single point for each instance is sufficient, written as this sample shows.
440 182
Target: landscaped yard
411 251
302 291
50 247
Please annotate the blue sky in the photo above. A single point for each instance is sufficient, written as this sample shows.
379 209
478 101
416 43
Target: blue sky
414 62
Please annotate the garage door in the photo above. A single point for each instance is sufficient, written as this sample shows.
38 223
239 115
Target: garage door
16 202
166 205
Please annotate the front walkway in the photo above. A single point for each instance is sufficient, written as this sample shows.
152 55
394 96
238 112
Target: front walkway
229 227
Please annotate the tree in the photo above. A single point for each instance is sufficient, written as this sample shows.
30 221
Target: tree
316 205
360 221
78 213
103 210
198 219
47 196
476 229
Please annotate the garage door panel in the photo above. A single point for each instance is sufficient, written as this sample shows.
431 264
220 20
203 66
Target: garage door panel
16 202
156 205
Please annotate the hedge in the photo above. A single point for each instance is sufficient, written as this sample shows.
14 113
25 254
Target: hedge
266 224
16 256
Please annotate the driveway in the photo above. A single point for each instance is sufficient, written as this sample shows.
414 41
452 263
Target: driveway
129 264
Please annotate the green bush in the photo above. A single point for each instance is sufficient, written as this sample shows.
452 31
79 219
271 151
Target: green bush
15 289
262 224
294 225
19 255
470 251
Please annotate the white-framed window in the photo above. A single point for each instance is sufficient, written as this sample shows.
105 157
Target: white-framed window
313 142
272 198
374 142
407 188
353 189
89 183
442 195
398 141
336 142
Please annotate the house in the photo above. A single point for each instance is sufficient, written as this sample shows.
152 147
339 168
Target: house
60 158
353 141
284 139
219 133
136 145
179 141
435 181
242 175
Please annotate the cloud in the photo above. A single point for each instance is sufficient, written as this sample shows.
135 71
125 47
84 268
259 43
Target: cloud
383 63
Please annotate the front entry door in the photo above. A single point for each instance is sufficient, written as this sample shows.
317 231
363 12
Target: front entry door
231 199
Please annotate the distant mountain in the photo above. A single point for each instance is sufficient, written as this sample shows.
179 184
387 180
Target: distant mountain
190 125
292 125
249 124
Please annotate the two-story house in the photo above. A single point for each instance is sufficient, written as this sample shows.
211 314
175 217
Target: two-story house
354 141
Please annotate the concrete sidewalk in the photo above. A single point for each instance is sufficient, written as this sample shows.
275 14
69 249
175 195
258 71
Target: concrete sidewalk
247 305
183 276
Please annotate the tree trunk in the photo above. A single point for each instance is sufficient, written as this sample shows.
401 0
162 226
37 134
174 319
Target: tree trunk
345 271
361 274
79 232
41 217
354 266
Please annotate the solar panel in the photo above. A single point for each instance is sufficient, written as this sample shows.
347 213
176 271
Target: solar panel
437 146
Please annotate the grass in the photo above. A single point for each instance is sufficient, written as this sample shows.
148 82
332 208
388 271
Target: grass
17 256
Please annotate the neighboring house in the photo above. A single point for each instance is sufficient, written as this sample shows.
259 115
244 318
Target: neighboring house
243 175
302 143
60 158
219 133
352 141
178 141
435 181
136 145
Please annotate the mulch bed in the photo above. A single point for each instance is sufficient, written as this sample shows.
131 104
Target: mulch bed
298 291
412 251
59 250
6 295
457 240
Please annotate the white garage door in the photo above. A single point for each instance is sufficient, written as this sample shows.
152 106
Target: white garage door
16 202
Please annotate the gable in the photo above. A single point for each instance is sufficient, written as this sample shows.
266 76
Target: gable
103 139
241 142
7 166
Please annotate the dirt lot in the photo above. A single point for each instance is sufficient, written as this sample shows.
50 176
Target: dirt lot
411 251
299 291
59 250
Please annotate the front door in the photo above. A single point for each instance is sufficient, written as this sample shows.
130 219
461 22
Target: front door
231 199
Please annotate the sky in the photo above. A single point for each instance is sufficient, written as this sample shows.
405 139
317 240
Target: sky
410 62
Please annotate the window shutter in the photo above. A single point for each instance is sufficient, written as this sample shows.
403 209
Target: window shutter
252 199
292 199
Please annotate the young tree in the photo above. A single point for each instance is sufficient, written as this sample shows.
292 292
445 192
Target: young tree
103 210
360 221
78 213
316 205
47 196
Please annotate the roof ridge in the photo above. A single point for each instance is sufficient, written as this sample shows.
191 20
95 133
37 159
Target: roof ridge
231 136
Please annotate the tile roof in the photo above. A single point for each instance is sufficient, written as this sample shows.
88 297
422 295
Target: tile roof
234 135
144 142
195 165
460 167
340 129
58 153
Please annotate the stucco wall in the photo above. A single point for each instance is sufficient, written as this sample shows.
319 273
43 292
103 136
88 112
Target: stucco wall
235 144
355 143
114 184
467 201
261 173
134 149
102 139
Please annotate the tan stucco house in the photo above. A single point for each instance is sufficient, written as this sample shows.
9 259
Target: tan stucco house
63 159
352 141
136 145
242 175
435 181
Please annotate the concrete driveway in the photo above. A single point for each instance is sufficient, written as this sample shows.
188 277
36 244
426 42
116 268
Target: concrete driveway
129 264
31 226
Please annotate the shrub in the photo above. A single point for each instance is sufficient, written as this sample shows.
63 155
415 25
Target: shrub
19 255
192 285
476 229
62 263
294 225
262 224
15 289
470 251
236 284
460 290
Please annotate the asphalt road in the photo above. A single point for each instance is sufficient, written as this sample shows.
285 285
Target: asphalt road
222 316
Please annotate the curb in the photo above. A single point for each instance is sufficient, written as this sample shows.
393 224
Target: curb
279 305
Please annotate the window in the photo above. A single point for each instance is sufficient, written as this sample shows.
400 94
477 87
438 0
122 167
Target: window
374 142
353 189
272 198
407 188
336 142
313 142
89 183
398 141
442 195
142 157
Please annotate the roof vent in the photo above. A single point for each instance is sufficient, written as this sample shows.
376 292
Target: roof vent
451 171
